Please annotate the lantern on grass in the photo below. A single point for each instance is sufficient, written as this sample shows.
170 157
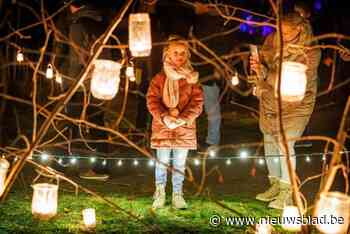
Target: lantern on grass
140 43
4 166
333 213
89 218
44 203
290 218
293 81
105 79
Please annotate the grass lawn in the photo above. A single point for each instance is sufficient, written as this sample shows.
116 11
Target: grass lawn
16 215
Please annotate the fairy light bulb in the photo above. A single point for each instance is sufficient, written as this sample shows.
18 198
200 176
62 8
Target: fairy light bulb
234 79
49 72
20 56
93 159
196 162
211 153
228 162
276 159
243 154
104 162
44 157
73 161
136 163
261 161
60 161
151 163
308 159
120 163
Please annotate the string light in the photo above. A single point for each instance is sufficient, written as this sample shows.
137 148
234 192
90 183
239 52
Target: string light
228 162
243 154
211 153
196 162
73 160
136 163
93 160
104 162
120 163
308 159
323 157
151 162
60 161
261 161
20 56
276 160
49 71
44 156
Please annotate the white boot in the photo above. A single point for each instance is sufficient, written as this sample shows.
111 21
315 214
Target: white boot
159 197
179 201
271 192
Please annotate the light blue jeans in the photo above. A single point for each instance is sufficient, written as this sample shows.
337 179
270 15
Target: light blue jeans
179 161
277 166
213 111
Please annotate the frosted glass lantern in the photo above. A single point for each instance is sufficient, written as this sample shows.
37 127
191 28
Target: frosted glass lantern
140 42
105 79
89 218
4 166
333 209
293 81
49 72
289 216
20 56
44 203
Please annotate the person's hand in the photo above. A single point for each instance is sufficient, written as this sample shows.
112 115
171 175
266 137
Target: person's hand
170 122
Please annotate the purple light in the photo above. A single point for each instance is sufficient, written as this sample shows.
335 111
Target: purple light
266 30
243 27
317 5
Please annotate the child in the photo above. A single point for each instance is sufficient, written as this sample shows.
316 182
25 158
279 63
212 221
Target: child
175 100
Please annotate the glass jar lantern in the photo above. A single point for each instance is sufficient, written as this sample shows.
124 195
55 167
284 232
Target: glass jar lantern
44 203
105 79
140 42
293 81
333 209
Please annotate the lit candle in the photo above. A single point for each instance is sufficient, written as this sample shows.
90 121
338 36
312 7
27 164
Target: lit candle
289 219
333 209
89 218
44 203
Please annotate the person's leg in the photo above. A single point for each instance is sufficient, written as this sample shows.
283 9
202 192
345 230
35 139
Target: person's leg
213 111
179 162
285 196
163 156
274 168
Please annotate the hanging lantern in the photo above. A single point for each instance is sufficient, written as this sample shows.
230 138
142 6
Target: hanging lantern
105 79
49 72
140 43
293 81
44 203
130 74
290 216
4 166
235 80
58 78
20 56
333 209
89 218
